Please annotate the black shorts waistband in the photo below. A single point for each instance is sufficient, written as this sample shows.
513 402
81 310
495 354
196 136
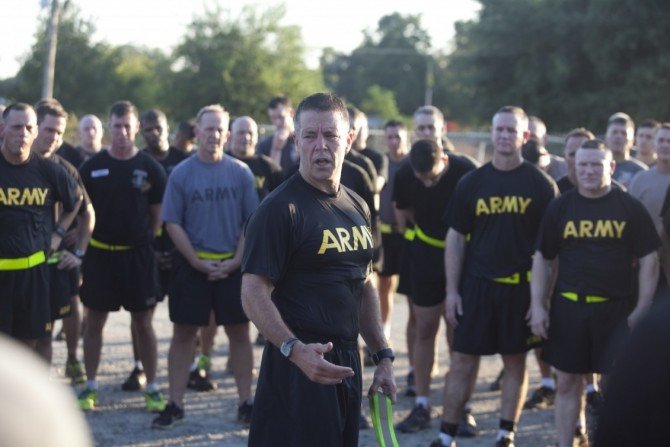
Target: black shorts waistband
338 343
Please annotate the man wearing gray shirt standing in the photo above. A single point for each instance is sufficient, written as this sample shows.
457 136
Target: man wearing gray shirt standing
208 199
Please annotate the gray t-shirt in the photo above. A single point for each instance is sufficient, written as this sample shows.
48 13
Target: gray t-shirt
626 170
210 201
386 196
650 187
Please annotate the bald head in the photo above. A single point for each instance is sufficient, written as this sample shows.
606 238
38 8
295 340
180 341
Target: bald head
90 133
244 137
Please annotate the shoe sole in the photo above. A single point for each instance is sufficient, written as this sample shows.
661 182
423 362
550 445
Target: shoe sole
167 427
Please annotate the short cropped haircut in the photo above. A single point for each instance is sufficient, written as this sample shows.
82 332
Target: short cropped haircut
186 128
429 110
395 123
580 132
424 155
649 124
598 145
18 106
152 115
123 108
279 101
621 118
212 108
321 102
49 107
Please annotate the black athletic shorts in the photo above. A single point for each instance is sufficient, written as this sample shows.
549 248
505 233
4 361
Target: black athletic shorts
494 318
192 297
292 411
24 302
61 291
113 279
583 337
393 245
428 282
405 280
164 278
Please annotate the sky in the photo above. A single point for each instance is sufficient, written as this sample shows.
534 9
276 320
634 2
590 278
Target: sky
161 23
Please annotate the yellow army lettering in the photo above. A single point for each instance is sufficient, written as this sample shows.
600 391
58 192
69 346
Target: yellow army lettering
501 205
260 182
346 240
589 229
26 196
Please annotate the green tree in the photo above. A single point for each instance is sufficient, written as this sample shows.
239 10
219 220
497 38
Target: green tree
380 102
240 62
394 58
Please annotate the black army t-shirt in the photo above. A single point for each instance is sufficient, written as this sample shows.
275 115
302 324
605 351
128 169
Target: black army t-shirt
595 241
173 158
28 193
316 249
267 174
122 192
501 211
429 204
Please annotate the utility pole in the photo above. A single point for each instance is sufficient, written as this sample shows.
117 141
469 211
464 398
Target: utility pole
50 54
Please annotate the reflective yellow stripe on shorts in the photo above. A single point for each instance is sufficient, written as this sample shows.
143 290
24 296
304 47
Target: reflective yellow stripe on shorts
512 279
386 228
423 237
103 246
572 296
214 256
54 258
36 258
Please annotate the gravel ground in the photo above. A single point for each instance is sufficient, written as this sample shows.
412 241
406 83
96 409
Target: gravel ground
121 420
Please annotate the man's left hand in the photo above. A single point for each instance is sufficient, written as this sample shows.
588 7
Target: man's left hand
383 378
68 261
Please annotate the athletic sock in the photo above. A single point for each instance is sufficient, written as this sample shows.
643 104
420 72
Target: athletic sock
92 385
151 387
548 382
423 401
590 388
448 433
506 430
138 365
387 331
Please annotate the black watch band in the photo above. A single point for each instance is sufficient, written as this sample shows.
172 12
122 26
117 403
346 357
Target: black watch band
386 353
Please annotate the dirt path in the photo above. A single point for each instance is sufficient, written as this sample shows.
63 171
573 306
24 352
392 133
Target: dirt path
121 419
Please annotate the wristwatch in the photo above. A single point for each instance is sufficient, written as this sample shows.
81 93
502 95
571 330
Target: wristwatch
287 347
78 253
59 230
386 353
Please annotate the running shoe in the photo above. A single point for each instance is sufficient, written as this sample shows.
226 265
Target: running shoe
155 401
198 380
135 381
88 399
438 443
75 372
542 398
467 428
244 413
418 419
169 417
506 441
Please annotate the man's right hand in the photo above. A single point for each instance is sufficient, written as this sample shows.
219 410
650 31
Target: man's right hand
309 358
454 308
205 266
